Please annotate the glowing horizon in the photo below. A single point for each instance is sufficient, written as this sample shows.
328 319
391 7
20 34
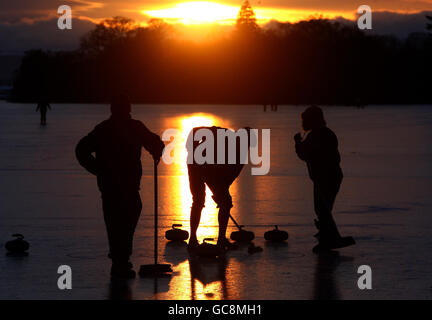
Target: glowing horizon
195 12
209 12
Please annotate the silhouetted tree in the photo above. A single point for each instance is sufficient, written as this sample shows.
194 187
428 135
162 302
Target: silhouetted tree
106 33
316 61
160 26
246 19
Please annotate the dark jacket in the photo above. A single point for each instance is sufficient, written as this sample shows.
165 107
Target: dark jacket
320 151
117 144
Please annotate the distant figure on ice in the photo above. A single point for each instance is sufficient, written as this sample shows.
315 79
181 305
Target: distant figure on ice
273 107
43 107
320 151
117 144
218 177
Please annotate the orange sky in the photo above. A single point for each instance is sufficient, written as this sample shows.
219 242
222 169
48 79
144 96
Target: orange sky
201 19
198 12
224 11
33 22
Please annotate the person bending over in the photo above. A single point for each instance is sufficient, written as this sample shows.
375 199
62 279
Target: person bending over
218 177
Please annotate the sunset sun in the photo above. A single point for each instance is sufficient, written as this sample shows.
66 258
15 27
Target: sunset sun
196 12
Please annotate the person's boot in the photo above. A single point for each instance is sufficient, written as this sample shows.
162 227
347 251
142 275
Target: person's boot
123 270
329 237
226 245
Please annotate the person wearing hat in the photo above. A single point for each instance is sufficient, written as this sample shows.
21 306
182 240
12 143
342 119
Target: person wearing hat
319 149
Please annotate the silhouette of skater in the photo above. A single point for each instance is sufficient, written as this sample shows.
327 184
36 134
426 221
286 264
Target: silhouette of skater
273 107
117 144
320 151
43 107
218 177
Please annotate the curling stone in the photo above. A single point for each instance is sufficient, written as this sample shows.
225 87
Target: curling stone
175 234
18 245
276 235
242 235
208 250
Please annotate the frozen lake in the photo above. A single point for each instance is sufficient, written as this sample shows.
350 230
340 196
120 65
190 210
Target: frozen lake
385 203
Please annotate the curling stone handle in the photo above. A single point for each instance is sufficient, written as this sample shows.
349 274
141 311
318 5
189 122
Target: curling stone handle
18 235
208 239
176 225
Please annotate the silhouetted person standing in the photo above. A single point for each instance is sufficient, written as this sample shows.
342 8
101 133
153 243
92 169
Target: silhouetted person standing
218 177
117 144
43 107
320 151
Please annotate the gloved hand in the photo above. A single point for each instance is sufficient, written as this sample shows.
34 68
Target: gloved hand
298 137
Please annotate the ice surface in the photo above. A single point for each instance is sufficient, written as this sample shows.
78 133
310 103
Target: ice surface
384 203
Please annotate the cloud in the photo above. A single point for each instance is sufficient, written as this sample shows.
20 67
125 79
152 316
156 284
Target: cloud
348 5
385 23
399 24
30 11
393 23
42 34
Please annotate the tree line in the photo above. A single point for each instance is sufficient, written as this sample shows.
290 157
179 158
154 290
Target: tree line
316 61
